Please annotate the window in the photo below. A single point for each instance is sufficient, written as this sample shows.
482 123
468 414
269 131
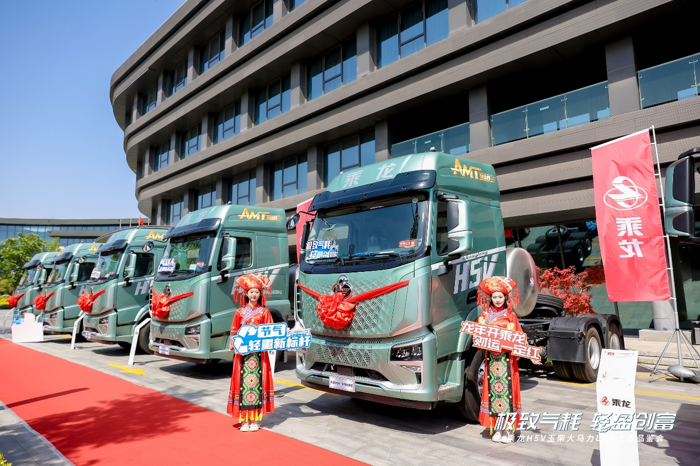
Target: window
332 70
161 156
273 100
205 198
419 26
288 178
148 100
485 9
177 78
356 151
190 141
244 256
212 53
175 208
144 265
294 4
242 191
227 123
441 242
254 21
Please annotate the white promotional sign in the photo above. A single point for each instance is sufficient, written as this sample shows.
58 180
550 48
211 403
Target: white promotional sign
30 330
615 392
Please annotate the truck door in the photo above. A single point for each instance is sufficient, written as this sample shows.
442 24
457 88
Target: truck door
71 311
133 296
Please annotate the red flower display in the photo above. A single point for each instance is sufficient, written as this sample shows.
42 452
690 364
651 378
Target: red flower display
572 287
160 303
13 300
85 301
337 312
40 301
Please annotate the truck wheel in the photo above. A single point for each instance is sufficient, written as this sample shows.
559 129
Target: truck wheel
588 371
615 338
563 370
473 386
144 337
550 300
552 232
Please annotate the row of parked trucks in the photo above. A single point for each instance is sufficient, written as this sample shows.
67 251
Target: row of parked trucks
432 220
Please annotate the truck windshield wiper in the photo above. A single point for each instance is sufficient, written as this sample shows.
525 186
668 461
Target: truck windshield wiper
374 255
327 260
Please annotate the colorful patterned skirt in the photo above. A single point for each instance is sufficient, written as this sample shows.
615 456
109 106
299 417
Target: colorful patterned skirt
501 392
251 395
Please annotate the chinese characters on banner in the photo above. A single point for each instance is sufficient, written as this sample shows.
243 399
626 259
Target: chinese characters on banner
629 220
269 337
496 339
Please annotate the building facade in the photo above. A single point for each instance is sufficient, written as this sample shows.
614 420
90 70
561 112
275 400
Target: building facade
264 102
67 231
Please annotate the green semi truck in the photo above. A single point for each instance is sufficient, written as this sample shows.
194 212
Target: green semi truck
117 293
431 222
206 251
34 274
66 282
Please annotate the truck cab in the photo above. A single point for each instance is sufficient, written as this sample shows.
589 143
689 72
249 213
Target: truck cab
119 285
34 274
206 252
66 282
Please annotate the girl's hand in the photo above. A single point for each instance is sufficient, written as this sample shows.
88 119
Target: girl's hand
536 362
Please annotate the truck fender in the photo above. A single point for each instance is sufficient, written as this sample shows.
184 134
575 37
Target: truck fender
143 313
276 316
567 336
292 282
464 343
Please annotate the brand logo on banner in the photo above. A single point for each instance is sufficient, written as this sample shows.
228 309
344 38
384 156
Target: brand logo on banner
629 220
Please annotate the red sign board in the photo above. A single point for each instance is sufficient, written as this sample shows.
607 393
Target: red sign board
629 220
496 339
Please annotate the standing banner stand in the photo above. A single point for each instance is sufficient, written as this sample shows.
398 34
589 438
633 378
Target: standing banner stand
678 370
615 391
76 326
135 340
27 329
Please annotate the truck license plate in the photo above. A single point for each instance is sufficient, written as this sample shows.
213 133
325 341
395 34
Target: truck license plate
164 350
340 383
87 335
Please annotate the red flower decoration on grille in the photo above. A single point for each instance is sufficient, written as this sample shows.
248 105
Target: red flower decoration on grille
160 303
13 300
85 301
337 312
40 301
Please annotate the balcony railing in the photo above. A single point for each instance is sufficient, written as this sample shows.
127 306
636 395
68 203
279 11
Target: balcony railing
556 113
669 82
453 141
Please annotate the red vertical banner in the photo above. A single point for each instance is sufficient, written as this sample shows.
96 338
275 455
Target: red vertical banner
303 207
629 220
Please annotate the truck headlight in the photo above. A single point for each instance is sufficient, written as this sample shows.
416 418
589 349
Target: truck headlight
104 320
407 353
193 330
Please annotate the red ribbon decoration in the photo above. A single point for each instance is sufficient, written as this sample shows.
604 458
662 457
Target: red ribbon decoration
40 301
160 303
13 300
336 312
85 301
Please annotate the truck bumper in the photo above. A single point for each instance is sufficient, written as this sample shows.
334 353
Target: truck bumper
189 341
56 322
103 329
369 368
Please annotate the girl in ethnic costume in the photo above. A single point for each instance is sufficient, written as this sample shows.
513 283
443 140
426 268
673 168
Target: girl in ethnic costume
252 391
498 297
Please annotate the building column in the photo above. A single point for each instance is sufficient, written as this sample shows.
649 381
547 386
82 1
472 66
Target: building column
192 57
261 184
174 149
135 110
162 78
366 49
222 191
458 15
207 127
623 88
189 200
230 44
246 111
382 141
148 162
279 9
162 213
479 125
314 160
298 85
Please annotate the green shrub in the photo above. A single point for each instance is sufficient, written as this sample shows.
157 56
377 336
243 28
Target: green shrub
4 305
3 460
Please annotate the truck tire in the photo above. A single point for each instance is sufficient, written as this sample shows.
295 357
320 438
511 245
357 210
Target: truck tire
144 337
615 337
541 239
588 371
550 300
534 248
563 370
552 232
473 385
585 240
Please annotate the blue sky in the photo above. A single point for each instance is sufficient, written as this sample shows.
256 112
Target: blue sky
62 151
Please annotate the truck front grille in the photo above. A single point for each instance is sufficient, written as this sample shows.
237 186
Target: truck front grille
344 356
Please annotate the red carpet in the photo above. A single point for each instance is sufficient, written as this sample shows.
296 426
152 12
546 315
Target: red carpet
96 419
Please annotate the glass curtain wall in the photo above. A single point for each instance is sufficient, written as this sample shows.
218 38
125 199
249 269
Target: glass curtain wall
356 151
177 78
175 210
206 197
255 21
273 100
669 82
332 70
454 141
212 53
161 157
485 9
190 141
227 123
288 178
242 190
149 99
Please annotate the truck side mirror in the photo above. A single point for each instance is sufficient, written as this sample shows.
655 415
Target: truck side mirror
73 277
130 267
292 222
306 229
228 260
459 228
680 195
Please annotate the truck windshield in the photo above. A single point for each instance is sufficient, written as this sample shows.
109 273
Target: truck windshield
106 267
187 256
27 277
376 230
58 274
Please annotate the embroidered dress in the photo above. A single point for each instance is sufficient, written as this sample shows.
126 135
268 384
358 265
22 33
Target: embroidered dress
501 390
252 391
